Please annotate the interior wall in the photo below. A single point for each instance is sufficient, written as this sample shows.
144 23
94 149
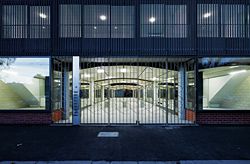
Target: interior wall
8 98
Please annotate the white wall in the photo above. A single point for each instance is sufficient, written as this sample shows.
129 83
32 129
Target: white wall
212 86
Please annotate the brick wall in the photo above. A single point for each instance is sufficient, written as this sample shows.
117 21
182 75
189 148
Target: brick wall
25 118
226 117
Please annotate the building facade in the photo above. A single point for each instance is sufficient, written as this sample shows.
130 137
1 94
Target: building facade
126 62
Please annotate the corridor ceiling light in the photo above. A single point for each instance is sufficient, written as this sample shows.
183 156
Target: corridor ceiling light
110 77
123 81
206 15
100 70
234 66
103 17
57 81
236 72
155 78
152 19
86 75
170 78
134 81
42 15
123 70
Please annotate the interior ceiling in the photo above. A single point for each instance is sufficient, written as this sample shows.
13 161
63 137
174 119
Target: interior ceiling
139 75
123 74
223 71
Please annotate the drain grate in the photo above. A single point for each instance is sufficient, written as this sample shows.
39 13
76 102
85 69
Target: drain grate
108 134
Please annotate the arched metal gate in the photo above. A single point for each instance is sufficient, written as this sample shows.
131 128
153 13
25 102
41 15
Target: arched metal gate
125 91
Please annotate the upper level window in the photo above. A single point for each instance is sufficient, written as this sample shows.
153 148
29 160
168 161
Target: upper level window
14 21
214 20
96 21
207 20
122 21
70 21
159 20
176 21
232 21
39 21
152 18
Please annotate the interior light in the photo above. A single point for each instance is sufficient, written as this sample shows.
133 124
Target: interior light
206 15
116 27
123 81
110 77
43 27
100 70
134 81
42 15
155 78
95 27
170 78
234 66
123 70
86 75
103 17
236 72
152 19
57 81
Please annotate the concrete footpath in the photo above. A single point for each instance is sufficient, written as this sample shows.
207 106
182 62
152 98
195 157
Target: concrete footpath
132 162
140 143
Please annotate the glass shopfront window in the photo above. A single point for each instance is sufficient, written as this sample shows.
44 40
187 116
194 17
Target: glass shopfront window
226 83
24 83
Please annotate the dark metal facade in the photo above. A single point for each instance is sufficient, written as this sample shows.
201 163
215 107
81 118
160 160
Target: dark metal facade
192 45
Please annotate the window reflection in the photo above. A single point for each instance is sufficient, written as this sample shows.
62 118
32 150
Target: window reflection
159 20
70 21
96 21
15 21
